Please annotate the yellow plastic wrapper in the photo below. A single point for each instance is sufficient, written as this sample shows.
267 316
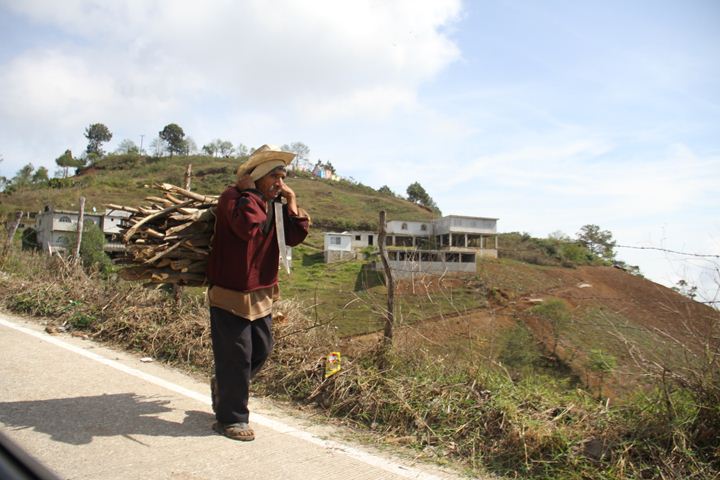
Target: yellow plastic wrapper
332 364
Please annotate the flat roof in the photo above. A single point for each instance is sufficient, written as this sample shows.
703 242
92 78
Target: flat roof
466 216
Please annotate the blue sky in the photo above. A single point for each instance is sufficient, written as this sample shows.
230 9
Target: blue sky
548 115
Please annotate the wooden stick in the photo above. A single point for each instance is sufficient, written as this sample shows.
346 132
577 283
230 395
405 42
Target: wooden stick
161 201
163 253
195 196
135 227
112 206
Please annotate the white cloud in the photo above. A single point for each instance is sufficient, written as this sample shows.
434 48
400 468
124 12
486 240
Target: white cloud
130 63
269 52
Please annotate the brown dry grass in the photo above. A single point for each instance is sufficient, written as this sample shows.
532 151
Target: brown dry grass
534 426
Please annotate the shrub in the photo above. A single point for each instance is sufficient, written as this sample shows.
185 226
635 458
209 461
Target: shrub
116 161
91 248
519 350
544 251
556 314
81 320
602 364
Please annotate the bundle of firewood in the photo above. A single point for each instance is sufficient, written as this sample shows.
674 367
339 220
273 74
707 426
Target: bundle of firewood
168 240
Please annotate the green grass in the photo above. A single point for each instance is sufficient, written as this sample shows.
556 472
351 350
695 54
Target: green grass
117 179
353 298
531 423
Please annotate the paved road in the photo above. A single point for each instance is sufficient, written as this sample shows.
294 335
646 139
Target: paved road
89 412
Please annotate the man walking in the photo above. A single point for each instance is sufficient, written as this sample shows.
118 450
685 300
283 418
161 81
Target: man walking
243 276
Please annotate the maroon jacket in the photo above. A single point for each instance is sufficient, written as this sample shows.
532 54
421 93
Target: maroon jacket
244 255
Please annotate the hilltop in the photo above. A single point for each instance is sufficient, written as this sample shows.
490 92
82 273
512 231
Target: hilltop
122 179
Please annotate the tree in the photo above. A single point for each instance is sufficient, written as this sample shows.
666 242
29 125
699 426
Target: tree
225 148
174 136
24 176
210 149
242 150
158 146
40 175
385 190
3 179
65 161
97 134
559 236
686 289
599 242
417 194
300 150
127 146
190 146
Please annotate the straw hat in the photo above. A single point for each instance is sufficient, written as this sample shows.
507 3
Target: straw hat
265 154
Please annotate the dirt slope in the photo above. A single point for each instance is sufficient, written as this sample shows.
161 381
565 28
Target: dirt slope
641 324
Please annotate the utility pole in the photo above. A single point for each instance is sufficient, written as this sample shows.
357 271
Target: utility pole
141 142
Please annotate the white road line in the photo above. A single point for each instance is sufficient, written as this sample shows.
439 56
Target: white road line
276 425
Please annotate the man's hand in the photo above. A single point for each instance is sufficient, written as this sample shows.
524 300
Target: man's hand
286 191
289 195
245 182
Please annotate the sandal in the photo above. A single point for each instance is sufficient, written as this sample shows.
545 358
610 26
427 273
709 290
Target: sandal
235 431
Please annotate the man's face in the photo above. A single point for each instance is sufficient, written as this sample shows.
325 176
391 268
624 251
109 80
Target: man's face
271 184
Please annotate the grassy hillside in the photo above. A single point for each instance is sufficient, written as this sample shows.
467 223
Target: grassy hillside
475 387
121 179
615 317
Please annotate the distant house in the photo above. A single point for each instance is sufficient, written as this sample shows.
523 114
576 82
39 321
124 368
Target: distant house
346 245
57 229
324 170
450 243
338 247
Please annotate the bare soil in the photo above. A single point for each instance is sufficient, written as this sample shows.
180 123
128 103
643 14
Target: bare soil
642 324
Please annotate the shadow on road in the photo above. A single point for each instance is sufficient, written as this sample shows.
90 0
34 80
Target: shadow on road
78 420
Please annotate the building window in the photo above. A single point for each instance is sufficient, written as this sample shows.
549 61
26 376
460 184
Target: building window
403 226
423 227
65 219
334 240
63 240
358 238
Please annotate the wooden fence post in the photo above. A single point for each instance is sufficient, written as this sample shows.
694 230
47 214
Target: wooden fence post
11 232
390 283
81 221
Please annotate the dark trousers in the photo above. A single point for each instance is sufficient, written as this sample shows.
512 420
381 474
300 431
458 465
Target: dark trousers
240 348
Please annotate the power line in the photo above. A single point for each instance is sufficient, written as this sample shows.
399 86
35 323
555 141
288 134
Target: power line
670 251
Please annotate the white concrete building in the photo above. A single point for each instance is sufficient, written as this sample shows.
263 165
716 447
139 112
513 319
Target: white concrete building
347 245
338 246
57 229
406 263
448 244
475 234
